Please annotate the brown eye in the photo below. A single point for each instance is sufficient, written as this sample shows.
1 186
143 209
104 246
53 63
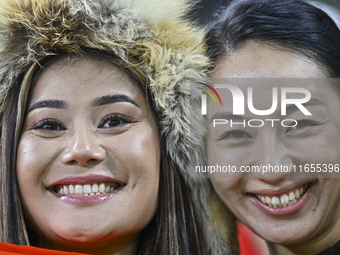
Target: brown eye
50 125
112 123
114 120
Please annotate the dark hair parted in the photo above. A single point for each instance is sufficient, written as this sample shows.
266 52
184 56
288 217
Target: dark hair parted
173 229
290 24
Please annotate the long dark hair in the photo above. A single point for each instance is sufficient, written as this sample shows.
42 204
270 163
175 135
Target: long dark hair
173 229
289 24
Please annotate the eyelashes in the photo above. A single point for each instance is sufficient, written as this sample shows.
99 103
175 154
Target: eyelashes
114 120
236 135
109 121
49 124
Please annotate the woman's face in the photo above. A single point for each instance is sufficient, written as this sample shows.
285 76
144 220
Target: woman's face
312 217
88 157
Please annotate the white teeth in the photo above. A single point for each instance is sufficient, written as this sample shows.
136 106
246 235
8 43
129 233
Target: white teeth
101 187
297 193
79 189
285 199
86 189
275 201
94 187
71 189
291 195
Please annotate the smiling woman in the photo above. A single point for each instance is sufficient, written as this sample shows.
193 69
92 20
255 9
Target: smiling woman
77 151
96 145
270 44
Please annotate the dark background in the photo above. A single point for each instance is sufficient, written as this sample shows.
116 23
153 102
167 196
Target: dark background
205 10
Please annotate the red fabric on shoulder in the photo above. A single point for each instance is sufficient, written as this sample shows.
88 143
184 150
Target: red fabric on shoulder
250 243
246 243
13 249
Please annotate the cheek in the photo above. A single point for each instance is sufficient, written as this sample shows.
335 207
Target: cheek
32 159
320 149
138 153
139 150
215 155
226 188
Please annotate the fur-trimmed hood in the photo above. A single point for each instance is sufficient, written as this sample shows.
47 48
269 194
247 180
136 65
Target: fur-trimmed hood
156 44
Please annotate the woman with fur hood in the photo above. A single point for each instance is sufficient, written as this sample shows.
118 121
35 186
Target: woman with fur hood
96 146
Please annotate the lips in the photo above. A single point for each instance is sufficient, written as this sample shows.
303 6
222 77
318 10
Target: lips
285 202
88 189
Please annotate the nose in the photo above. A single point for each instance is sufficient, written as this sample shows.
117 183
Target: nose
83 149
273 160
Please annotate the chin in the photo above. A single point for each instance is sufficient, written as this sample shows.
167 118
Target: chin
289 234
77 236
81 237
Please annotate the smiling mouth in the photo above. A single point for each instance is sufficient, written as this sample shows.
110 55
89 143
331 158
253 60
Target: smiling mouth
285 199
88 189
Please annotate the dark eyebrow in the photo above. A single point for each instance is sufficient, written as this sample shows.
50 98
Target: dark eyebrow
226 116
293 108
111 99
52 103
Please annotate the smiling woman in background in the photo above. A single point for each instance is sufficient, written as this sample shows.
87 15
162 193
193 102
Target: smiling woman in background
95 144
280 39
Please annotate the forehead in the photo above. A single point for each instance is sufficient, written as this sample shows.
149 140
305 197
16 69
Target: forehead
258 60
82 79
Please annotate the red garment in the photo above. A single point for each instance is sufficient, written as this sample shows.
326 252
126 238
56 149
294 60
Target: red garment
13 249
249 242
